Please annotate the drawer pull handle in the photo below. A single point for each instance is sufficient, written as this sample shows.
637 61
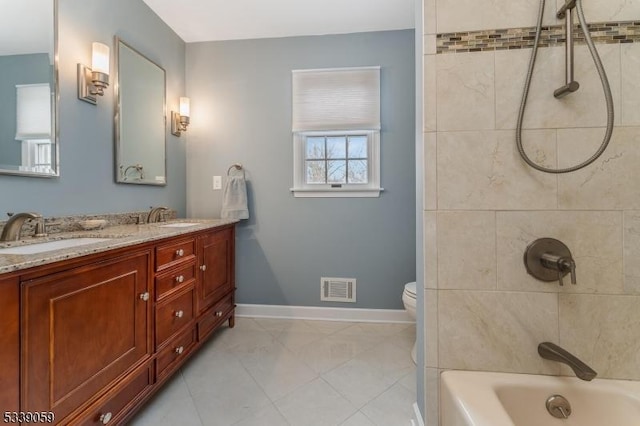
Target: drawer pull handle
180 252
219 313
180 278
179 314
179 350
203 268
105 418
144 296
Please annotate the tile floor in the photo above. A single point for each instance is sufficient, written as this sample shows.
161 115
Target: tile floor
272 372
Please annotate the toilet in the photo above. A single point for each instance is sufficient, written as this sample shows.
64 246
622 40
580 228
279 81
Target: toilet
409 300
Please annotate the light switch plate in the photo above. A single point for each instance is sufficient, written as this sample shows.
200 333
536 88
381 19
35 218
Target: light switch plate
217 182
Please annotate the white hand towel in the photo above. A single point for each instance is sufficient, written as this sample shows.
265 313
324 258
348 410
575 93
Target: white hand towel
234 199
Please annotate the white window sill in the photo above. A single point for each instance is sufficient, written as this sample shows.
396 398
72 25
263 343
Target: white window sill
336 192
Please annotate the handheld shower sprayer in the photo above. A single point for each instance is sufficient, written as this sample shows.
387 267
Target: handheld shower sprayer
571 85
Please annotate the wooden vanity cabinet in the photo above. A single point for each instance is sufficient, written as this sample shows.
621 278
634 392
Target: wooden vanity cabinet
84 329
216 267
92 338
9 344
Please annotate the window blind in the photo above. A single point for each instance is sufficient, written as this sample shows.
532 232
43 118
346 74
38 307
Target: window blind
33 111
336 99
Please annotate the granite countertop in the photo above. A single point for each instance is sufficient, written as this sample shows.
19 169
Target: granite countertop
118 236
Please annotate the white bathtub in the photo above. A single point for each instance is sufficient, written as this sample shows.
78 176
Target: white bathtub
470 398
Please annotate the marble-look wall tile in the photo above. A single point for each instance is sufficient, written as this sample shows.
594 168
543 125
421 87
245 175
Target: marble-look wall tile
631 82
610 182
594 238
430 94
609 10
467 15
465 91
467 250
431 328
603 332
430 184
496 331
483 171
584 108
430 17
430 250
631 252
430 44
432 396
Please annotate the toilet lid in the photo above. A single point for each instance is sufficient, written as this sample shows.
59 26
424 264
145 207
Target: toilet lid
410 288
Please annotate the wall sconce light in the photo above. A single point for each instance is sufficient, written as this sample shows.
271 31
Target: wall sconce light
92 81
180 119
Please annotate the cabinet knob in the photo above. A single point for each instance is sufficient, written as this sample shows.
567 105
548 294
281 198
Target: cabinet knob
180 252
180 278
219 313
105 418
179 350
144 296
179 314
203 267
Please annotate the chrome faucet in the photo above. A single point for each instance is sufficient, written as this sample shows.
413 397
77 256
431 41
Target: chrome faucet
11 230
156 214
553 352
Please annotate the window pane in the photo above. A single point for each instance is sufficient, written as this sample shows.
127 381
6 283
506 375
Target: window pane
358 147
358 171
316 171
337 147
337 171
315 147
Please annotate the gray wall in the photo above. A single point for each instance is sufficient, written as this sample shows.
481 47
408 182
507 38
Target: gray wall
241 112
17 69
86 183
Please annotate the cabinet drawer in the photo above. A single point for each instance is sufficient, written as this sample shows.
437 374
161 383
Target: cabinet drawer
174 280
171 356
174 253
215 316
124 396
173 314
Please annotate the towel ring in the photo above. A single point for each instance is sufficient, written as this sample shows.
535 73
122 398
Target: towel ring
236 166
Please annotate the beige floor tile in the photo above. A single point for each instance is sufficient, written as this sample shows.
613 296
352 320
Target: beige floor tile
358 419
315 403
391 406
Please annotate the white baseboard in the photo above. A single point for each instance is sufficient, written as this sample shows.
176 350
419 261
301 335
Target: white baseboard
417 417
324 314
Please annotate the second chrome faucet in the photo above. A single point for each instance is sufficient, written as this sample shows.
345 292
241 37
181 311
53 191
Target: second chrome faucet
553 352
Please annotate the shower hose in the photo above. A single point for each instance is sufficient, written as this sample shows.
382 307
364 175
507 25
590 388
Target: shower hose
605 86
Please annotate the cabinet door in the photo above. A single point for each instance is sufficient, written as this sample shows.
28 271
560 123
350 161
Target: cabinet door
216 266
82 330
9 344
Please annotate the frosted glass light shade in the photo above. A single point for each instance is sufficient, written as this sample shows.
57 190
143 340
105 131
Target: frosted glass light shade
185 110
100 58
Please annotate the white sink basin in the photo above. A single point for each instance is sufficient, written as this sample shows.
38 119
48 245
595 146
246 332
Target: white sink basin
179 225
51 245
472 398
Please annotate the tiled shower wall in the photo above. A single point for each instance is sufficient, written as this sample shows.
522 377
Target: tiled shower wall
483 205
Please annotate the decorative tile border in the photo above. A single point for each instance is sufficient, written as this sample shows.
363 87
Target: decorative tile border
520 38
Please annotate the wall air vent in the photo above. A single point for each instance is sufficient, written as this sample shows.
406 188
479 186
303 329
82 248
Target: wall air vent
338 289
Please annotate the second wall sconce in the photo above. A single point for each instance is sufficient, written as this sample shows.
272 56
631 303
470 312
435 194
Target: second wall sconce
180 119
92 81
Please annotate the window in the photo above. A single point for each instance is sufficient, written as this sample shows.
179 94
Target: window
33 126
336 132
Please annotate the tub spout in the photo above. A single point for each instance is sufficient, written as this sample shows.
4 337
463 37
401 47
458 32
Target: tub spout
553 352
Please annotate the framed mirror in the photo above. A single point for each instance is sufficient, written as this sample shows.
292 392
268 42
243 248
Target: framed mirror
140 124
29 88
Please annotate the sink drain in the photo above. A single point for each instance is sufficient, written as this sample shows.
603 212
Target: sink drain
558 407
